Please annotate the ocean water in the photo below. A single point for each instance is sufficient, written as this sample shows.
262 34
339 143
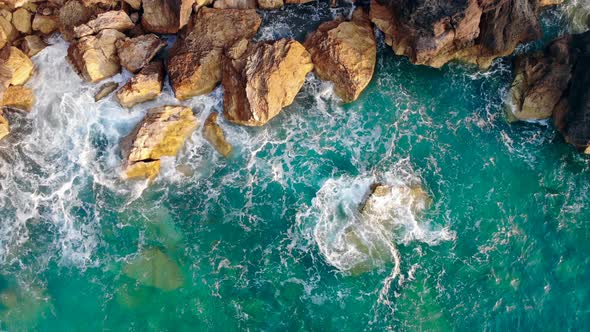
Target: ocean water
271 238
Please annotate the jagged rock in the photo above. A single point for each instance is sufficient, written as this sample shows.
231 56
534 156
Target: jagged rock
195 64
540 81
21 20
270 4
32 45
8 32
166 16
71 15
105 90
19 65
345 53
4 126
139 51
154 268
115 19
435 32
262 80
45 24
235 4
146 85
18 97
95 57
214 135
161 133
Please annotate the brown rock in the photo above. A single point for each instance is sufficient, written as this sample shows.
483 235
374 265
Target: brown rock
214 135
32 45
95 57
166 16
135 4
139 51
297 2
235 4
195 63
18 97
5 76
21 19
71 15
45 24
345 53
13 4
161 133
115 19
19 65
146 85
8 32
4 126
105 90
270 4
263 80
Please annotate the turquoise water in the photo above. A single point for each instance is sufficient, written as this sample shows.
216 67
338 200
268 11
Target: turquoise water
251 242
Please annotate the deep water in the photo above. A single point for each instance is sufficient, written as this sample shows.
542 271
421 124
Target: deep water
259 239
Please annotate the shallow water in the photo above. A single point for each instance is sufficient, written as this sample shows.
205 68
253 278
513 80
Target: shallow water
250 240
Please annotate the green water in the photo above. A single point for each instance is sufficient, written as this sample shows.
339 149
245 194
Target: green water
504 245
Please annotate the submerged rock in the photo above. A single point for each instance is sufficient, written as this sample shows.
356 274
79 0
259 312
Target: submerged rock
345 53
105 90
161 133
95 57
195 64
260 79
154 268
214 135
19 65
115 19
235 4
166 16
146 85
137 52
18 97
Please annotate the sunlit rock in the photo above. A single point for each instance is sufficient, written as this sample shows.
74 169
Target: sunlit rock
161 133
8 32
4 126
262 80
95 57
146 85
139 51
235 4
45 24
270 4
115 19
21 19
105 90
165 16
32 45
19 97
18 63
345 53
214 134
71 15
154 268
195 64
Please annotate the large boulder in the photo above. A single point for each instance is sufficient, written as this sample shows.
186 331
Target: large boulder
195 63
18 64
146 85
345 53
260 79
72 14
161 133
214 135
95 57
541 79
166 16
115 19
434 32
18 97
139 51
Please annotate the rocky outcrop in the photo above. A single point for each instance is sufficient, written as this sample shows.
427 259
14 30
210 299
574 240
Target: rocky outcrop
435 32
344 53
18 64
105 90
116 20
195 63
260 79
146 85
161 133
95 57
18 97
166 16
214 135
137 52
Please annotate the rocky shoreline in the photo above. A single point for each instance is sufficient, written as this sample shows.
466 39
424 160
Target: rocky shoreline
214 46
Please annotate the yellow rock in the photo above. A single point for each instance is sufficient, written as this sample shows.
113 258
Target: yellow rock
95 57
19 97
4 126
146 85
214 134
21 19
8 32
148 170
18 63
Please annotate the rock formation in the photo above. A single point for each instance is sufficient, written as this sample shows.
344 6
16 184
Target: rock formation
195 63
214 135
166 16
345 54
95 57
146 85
137 52
161 133
260 79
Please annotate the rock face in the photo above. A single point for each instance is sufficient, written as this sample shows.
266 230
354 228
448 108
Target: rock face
432 32
195 64
166 16
19 65
345 53
161 133
214 134
95 57
18 97
260 79
139 51
146 85
116 20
